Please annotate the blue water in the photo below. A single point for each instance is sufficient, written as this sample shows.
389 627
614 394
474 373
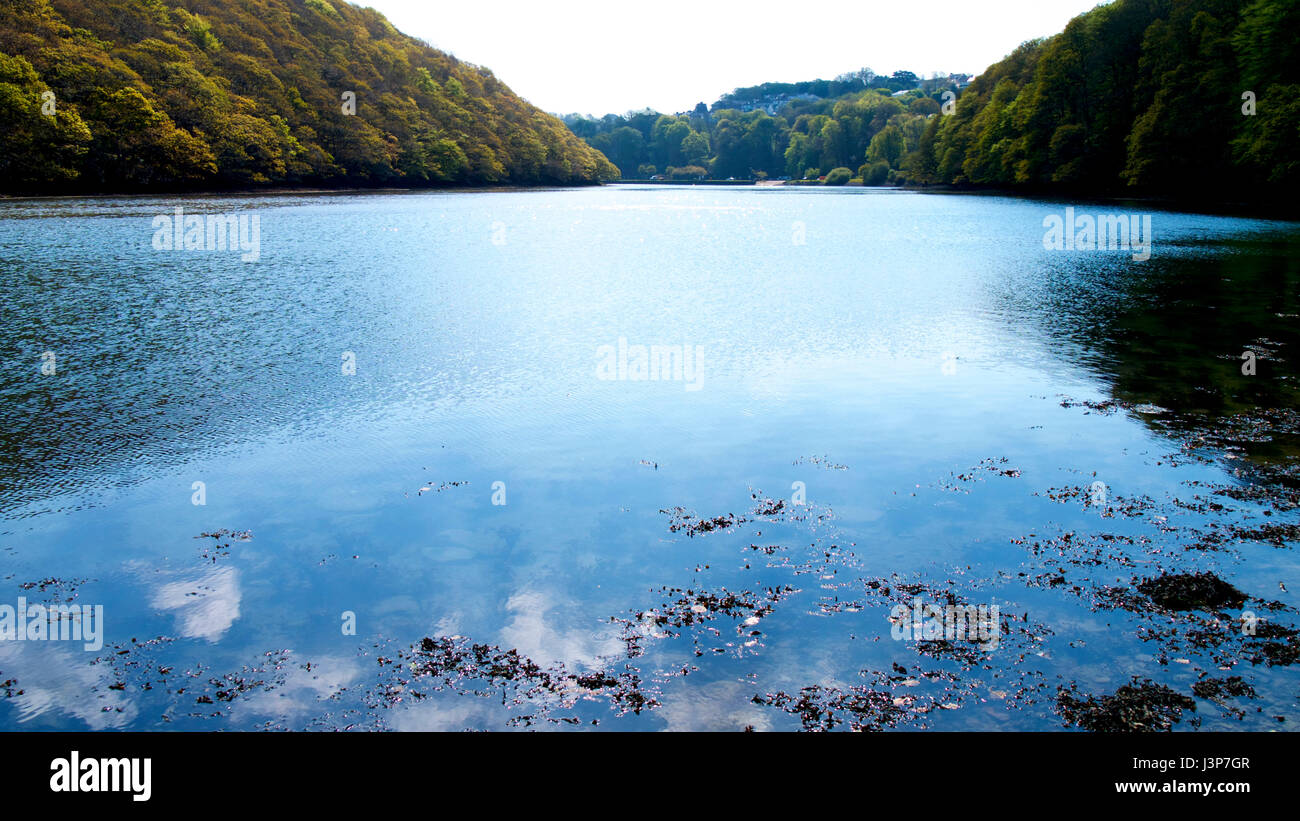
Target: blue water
872 345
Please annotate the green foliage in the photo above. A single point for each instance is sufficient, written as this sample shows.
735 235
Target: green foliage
688 172
321 7
36 145
874 173
1269 146
1140 95
424 81
845 84
816 134
838 176
887 146
240 93
134 145
198 30
695 148
625 147
924 106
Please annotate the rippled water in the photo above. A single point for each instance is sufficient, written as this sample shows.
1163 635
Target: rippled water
915 361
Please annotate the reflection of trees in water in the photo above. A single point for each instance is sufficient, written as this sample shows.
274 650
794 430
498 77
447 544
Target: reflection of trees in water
1174 332
1180 340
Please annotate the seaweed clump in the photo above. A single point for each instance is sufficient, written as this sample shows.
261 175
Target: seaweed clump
821 709
1136 707
1218 689
1192 591
683 519
1274 644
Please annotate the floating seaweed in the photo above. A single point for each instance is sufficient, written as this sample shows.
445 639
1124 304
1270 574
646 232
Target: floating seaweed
1135 707
1191 591
682 519
222 541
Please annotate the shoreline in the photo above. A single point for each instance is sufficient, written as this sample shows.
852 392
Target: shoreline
281 191
1270 210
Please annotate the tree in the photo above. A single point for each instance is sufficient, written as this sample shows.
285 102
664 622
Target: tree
135 145
886 146
152 95
34 146
796 153
730 156
924 106
874 173
625 147
695 148
688 172
1137 94
838 176
834 147
666 139
902 80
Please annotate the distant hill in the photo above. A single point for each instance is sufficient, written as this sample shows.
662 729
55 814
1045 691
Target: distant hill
119 95
862 123
771 97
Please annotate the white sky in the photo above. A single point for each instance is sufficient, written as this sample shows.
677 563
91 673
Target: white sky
614 55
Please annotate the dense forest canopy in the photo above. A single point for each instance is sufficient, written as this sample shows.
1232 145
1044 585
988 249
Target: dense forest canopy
1191 98
844 84
778 129
100 95
1183 97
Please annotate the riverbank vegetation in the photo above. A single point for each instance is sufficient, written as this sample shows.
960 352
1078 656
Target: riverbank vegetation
781 130
1182 98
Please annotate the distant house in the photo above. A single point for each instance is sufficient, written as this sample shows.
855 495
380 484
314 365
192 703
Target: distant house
771 103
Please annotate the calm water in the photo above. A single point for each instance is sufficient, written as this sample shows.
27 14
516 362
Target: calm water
917 362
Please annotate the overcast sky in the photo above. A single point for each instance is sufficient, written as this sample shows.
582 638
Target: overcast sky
614 56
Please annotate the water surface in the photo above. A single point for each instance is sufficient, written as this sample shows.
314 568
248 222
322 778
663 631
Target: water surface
946 390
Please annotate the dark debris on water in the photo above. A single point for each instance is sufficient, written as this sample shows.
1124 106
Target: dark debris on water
1140 706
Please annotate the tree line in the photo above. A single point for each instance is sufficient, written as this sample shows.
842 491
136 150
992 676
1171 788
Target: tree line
1187 98
870 130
